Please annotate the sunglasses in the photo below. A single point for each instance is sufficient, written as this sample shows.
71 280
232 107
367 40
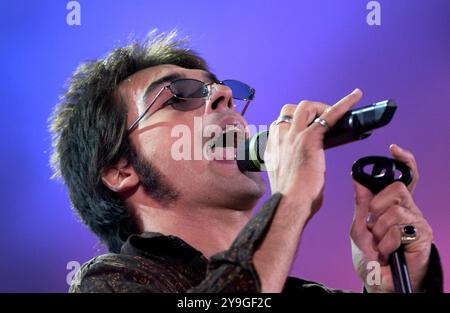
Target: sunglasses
189 94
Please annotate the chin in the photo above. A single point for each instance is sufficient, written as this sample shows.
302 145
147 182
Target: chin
244 190
258 185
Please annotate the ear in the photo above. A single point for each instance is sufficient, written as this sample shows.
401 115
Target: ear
121 177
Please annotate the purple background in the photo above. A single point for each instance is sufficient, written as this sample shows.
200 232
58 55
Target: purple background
289 51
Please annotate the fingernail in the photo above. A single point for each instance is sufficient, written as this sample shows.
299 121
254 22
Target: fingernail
369 220
356 91
396 147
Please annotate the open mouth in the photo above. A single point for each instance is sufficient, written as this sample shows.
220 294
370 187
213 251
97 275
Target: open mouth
223 146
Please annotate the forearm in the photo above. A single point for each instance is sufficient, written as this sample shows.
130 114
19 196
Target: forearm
262 255
274 257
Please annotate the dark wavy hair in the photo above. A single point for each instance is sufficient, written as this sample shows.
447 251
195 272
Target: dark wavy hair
90 134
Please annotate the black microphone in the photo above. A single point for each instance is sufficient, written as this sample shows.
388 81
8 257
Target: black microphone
355 125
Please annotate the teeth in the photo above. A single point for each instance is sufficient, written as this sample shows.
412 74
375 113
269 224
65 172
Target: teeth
228 131
233 128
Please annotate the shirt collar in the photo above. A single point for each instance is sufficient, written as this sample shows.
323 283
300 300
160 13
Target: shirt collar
169 248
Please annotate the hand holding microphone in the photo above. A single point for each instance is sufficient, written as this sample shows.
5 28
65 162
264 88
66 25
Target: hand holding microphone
295 159
294 153
354 125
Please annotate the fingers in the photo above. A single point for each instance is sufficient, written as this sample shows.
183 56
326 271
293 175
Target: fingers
334 113
302 116
305 114
279 130
396 194
396 215
376 213
289 110
390 242
363 197
406 157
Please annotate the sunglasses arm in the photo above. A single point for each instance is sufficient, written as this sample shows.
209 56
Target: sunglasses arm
245 107
139 118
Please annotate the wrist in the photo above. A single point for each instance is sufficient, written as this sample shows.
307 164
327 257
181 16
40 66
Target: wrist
299 205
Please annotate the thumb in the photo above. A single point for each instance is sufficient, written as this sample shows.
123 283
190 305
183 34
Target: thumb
406 157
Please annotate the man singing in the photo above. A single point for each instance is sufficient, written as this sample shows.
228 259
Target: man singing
186 225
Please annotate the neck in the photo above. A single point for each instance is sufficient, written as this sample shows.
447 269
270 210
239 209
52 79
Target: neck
208 229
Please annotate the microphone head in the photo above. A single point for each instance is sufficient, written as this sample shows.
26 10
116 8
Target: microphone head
250 153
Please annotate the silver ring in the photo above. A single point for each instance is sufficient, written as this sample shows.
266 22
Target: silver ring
322 122
283 119
409 234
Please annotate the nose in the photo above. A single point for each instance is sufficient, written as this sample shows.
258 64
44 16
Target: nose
220 99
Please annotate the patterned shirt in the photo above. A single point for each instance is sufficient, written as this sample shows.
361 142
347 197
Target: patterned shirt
153 262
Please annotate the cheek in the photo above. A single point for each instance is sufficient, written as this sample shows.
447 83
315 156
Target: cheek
157 149
176 147
174 150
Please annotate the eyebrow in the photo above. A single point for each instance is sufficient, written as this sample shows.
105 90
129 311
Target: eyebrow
159 81
169 78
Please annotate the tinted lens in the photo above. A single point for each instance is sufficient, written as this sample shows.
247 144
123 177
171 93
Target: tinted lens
240 90
188 88
188 104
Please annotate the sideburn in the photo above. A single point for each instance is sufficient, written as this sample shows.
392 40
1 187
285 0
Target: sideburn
153 180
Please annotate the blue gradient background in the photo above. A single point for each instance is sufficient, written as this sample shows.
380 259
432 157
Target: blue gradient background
288 51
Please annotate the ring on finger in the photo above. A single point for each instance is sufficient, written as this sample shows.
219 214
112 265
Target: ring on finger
409 234
322 122
283 119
